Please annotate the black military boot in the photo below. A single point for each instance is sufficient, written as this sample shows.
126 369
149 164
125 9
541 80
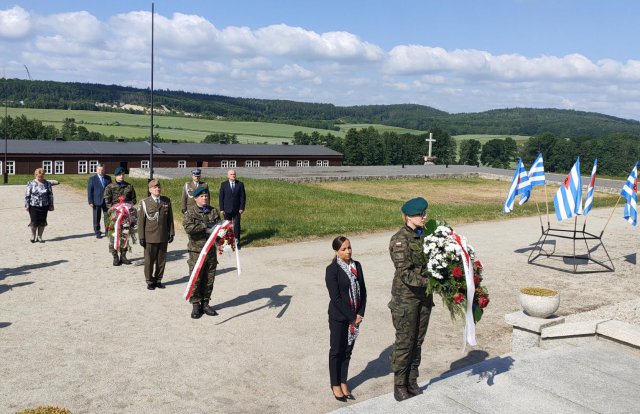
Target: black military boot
208 309
123 258
414 388
196 313
400 393
116 259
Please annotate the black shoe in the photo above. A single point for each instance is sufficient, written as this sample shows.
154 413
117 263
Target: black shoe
40 240
98 235
413 388
209 310
159 285
33 240
116 261
400 393
151 286
196 313
124 260
341 399
349 397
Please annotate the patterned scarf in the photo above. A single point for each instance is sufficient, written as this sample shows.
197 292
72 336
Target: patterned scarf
354 295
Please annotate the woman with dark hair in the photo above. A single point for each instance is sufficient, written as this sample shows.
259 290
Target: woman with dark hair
38 201
348 299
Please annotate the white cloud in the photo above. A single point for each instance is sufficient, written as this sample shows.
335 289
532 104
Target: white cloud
15 23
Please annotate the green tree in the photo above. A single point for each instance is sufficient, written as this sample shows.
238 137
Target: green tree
470 152
221 137
444 148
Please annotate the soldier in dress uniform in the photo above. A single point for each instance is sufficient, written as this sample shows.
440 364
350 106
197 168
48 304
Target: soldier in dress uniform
187 190
112 193
198 223
410 305
155 231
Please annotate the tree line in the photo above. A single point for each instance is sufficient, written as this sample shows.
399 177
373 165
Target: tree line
514 121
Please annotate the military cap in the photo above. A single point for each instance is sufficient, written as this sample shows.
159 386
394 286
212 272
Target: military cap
154 183
415 206
118 171
196 172
199 191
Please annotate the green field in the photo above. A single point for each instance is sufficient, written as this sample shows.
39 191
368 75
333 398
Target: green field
382 128
484 138
345 207
168 127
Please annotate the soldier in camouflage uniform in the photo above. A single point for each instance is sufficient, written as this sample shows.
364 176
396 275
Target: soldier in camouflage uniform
410 305
112 193
186 199
198 222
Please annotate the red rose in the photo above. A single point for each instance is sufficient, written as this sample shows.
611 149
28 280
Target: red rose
476 280
457 272
477 264
483 301
458 297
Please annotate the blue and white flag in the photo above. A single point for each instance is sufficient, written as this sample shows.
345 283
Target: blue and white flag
630 193
519 185
536 173
588 202
568 199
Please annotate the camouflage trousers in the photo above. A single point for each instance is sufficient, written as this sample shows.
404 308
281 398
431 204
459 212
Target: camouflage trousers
112 250
410 313
204 286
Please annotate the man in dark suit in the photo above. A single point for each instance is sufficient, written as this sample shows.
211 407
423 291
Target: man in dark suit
232 198
95 195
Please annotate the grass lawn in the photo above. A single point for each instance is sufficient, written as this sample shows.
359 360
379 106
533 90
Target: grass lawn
381 128
348 207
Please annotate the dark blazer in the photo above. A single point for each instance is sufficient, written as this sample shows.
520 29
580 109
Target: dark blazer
231 201
338 286
95 191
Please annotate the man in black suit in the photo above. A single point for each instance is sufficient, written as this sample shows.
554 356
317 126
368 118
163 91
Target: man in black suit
95 195
232 198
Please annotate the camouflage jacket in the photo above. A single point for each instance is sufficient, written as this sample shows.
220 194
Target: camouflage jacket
113 191
195 223
408 258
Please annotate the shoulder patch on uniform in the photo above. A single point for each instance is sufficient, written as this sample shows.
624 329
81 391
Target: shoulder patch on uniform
398 244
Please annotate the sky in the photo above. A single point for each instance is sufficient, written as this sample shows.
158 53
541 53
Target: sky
456 56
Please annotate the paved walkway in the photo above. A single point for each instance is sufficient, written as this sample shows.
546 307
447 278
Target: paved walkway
79 333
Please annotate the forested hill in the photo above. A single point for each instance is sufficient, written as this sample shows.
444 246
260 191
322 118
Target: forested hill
519 121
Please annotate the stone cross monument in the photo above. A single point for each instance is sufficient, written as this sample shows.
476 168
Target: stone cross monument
429 159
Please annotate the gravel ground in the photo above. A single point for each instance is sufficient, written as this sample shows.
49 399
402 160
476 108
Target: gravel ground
79 333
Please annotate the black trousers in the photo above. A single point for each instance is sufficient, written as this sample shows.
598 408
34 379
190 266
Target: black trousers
236 223
97 213
339 352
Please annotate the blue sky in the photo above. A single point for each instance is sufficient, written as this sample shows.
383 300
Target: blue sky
457 56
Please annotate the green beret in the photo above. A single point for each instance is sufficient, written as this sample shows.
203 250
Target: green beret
199 191
118 171
415 206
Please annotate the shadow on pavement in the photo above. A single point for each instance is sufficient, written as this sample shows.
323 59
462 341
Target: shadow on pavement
4 324
185 279
275 300
485 369
71 236
377 368
5 288
23 270
255 236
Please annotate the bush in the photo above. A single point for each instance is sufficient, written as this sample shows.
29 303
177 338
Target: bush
45 410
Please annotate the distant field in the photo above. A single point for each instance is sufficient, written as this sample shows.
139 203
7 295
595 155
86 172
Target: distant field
382 128
169 127
484 138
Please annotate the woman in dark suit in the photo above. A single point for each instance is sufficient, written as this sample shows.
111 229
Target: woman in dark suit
348 299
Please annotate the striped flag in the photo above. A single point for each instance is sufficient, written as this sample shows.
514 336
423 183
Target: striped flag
630 193
588 202
536 173
519 185
568 199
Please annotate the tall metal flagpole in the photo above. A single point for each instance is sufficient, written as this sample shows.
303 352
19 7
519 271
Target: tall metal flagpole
6 129
151 150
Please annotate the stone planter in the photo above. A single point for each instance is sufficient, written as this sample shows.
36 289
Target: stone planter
540 303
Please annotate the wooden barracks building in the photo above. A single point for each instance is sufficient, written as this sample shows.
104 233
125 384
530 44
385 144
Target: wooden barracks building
82 157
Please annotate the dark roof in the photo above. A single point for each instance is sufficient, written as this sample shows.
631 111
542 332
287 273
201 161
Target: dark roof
142 148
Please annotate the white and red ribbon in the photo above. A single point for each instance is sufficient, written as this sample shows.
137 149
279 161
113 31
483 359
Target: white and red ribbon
122 210
469 333
211 242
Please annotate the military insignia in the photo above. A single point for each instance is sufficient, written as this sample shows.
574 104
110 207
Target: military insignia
398 244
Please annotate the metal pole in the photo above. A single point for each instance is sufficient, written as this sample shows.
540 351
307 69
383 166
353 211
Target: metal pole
6 129
151 151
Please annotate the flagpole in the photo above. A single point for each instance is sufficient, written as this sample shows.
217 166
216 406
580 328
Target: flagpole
546 201
610 215
540 216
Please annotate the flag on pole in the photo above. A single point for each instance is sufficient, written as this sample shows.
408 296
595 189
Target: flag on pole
630 193
588 202
568 199
519 185
536 173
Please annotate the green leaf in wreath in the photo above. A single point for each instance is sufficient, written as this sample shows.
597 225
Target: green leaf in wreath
477 314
